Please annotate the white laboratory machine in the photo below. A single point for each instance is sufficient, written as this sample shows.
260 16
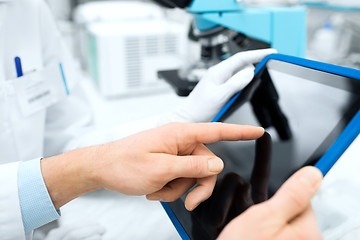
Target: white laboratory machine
127 43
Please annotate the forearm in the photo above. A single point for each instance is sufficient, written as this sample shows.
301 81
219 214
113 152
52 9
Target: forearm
70 175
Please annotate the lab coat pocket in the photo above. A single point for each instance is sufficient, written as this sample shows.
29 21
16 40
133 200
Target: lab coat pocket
40 89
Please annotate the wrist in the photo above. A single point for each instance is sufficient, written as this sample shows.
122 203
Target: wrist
70 175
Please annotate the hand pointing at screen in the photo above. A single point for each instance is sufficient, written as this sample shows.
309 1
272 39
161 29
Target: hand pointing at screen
162 163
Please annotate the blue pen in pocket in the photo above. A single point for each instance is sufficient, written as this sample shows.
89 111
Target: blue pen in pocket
18 66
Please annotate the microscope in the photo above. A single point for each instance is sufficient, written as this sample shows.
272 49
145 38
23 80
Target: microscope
225 27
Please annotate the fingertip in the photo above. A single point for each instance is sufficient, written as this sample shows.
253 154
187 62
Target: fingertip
249 70
311 176
272 50
153 197
201 193
262 130
251 67
191 205
215 165
267 51
261 53
316 171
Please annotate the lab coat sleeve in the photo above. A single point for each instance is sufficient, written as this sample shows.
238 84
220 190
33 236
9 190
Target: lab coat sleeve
11 225
70 117
37 208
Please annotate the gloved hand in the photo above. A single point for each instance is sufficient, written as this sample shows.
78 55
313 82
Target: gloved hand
218 85
77 231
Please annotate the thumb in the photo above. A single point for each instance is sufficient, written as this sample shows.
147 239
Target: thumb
242 59
294 196
254 56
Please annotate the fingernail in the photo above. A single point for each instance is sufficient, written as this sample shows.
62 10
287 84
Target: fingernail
191 208
262 129
310 176
215 165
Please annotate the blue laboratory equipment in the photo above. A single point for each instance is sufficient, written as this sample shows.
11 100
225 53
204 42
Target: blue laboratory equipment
283 28
227 26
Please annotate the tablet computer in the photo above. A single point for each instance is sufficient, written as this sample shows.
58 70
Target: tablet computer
311 112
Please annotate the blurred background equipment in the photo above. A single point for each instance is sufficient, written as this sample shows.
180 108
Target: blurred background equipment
226 27
334 32
127 43
327 30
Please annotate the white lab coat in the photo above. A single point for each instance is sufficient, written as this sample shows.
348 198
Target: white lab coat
28 30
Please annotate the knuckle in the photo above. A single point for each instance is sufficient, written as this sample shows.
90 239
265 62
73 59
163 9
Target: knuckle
264 210
176 130
214 71
219 130
268 210
162 171
196 166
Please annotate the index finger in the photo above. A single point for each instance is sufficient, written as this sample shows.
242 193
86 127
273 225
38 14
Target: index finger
215 132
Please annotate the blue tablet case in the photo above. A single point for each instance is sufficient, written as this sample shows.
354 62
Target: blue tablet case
327 161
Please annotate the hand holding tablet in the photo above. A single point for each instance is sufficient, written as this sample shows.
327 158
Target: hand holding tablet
312 112
287 215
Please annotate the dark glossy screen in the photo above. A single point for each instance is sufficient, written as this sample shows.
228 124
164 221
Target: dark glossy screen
303 110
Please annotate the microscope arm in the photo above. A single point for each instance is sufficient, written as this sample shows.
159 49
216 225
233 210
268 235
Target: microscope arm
284 28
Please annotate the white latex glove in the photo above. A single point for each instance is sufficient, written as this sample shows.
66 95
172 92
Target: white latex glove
77 231
218 85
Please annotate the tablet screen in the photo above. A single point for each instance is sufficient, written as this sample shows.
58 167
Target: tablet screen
303 110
